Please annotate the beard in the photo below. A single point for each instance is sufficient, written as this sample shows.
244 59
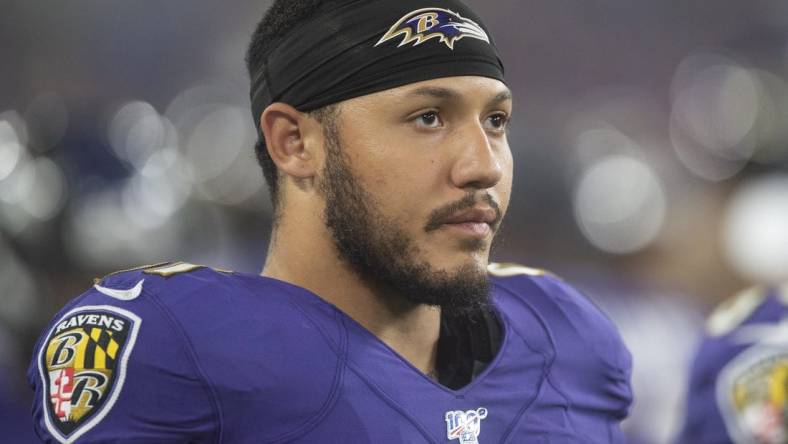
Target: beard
382 252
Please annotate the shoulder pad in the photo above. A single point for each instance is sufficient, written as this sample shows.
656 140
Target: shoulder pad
578 333
118 337
127 284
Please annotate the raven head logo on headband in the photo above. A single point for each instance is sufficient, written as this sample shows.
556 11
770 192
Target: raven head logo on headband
423 24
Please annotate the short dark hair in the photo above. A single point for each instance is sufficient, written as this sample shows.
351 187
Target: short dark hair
280 18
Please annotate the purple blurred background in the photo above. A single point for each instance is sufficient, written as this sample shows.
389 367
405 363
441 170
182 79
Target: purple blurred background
650 143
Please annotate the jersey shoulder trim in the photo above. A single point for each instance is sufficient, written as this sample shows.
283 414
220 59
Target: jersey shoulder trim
730 313
126 294
508 269
165 269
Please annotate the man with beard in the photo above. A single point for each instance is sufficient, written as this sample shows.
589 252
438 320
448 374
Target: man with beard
377 317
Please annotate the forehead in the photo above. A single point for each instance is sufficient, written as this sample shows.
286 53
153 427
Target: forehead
466 89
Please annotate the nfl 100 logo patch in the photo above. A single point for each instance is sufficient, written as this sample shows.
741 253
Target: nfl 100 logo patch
82 365
465 426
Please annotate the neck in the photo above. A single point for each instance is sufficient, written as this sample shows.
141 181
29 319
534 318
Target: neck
311 262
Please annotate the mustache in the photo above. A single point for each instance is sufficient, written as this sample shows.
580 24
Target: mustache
438 216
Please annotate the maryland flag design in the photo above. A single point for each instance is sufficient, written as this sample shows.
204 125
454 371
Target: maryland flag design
754 397
83 364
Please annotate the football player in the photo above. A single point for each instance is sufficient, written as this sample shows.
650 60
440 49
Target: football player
377 317
738 389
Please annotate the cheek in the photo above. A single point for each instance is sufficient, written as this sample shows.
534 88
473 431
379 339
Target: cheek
399 177
399 193
387 186
504 186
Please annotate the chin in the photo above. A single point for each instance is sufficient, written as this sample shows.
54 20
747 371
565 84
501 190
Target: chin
477 261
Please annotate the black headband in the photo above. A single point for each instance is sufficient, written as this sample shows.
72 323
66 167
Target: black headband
357 47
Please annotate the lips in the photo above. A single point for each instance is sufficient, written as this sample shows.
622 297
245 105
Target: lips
469 215
473 216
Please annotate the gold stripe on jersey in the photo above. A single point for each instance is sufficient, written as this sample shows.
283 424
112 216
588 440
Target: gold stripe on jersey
99 355
141 267
174 268
101 352
112 348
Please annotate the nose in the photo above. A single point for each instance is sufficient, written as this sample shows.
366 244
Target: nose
478 164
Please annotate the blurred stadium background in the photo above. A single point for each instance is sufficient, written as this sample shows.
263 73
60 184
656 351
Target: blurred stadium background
650 142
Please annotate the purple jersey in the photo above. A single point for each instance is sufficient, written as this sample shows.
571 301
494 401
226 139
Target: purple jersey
738 389
180 353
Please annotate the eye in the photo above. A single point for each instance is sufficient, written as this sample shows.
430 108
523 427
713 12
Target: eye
429 119
497 122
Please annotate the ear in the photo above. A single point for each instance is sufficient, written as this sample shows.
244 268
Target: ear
287 134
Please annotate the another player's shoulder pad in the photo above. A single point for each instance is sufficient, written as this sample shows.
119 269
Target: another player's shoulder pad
754 304
747 349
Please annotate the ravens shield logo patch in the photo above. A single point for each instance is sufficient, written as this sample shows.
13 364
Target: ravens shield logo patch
752 394
82 365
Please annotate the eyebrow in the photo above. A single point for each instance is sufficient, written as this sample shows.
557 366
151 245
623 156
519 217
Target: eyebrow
450 94
502 96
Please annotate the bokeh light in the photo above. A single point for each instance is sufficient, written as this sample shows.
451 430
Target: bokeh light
726 114
18 296
137 131
11 150
215 141
217 137
600 142
755 229
153 195
31 189
716 105
43 189
771 131
620 204
99 232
